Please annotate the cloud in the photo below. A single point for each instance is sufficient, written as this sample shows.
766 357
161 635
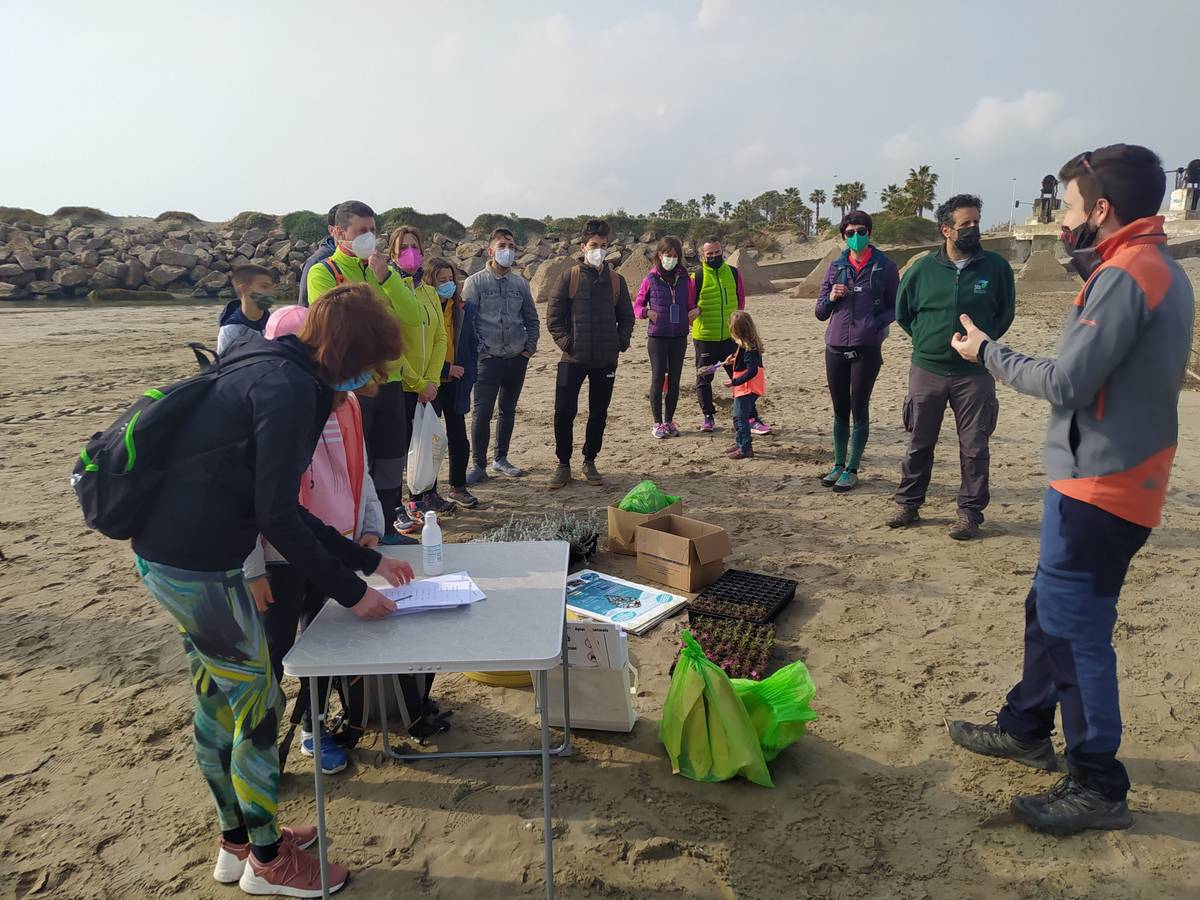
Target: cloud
996 127
904 146
713 12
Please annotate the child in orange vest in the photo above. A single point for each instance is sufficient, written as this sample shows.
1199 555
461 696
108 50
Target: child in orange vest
748 382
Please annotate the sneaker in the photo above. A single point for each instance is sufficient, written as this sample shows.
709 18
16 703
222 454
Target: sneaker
904 516
708 424
436 502
476 475
504 467
561 476
964 529
758 426
462 497
411 519
672 429
847 481
333 758
748 453
393 539
293 873
990 740
1069 808
231 858
660 431
591 474
830 478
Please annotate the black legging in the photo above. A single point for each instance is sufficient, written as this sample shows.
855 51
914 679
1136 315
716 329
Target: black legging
666 361
852 380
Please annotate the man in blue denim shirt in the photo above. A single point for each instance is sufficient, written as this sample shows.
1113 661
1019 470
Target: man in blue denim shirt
507 324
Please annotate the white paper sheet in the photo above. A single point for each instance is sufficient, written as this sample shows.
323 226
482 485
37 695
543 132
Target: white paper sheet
442 592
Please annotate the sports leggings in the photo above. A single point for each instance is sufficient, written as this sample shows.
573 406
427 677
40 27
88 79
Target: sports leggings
666 362
852 380
238 703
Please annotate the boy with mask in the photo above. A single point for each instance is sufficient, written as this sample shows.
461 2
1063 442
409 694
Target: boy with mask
255 290
960 277
357 258
590 317
1113 391
508 328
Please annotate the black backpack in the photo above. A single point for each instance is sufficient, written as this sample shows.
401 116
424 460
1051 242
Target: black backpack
119 471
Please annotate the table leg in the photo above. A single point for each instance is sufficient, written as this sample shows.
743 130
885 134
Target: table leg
565 748
544 715
314 694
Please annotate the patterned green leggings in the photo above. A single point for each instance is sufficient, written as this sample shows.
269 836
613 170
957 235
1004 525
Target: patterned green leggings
238 702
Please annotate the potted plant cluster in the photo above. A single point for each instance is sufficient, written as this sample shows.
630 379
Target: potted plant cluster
741 648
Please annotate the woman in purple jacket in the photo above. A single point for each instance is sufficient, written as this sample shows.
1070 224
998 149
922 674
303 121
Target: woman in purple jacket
858 298
667 298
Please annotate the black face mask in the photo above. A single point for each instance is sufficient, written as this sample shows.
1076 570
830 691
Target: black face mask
1079 242
967 240
715 262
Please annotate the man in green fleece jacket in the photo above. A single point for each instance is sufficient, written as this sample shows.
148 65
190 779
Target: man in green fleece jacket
960 278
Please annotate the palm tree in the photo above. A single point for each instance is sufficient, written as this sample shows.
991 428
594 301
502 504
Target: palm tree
816 198
921 188
726 209
891 197
792 194
839 198
856 194
692 207
708 201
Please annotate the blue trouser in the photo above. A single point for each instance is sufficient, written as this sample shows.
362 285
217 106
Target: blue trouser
1069 659
743 411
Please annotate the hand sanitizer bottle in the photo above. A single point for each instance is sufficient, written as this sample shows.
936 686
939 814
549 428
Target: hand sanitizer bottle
431 545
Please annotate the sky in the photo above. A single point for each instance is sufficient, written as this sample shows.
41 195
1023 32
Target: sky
565 108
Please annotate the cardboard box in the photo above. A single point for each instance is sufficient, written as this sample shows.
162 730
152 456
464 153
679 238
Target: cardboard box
622 526
683 553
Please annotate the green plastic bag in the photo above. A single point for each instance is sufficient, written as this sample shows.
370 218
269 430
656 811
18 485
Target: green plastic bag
705 728
778 706
645 497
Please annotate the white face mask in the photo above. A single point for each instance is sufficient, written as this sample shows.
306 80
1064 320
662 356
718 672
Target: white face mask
669 262
363 245
595 256
505 257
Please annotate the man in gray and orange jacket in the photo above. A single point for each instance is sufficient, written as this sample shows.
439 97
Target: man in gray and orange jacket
1113 391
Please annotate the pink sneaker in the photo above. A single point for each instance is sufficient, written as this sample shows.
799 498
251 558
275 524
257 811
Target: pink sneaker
293 873
660 432
758 426
708 424
231 858
672 429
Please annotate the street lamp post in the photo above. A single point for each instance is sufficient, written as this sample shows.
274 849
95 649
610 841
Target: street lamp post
1012 207
953 173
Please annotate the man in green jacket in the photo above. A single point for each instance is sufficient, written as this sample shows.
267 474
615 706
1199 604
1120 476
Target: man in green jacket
960 278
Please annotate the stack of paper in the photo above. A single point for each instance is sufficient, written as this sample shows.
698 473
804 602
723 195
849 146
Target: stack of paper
635 607
596 645
441 592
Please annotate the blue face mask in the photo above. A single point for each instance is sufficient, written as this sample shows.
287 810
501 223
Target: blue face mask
446 290
354 383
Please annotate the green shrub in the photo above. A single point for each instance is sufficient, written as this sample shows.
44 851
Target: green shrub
11 215
305 225
175 215
428 223
896 229
520 226
81 215
244 221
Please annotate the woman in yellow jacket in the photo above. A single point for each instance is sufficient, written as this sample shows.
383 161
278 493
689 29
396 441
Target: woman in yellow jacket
424 352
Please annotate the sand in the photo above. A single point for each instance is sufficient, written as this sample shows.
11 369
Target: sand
101 797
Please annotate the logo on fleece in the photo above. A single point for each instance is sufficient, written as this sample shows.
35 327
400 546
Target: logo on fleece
981 286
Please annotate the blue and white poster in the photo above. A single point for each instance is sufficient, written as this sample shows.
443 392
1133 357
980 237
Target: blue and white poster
635 607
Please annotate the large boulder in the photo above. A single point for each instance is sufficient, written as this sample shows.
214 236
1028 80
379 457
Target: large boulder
810 287
72 276
8 270
100 281
89 258
547 275
214 281
11 291
163 275
46 289
254 236
754 279
179 258
113 269
135 274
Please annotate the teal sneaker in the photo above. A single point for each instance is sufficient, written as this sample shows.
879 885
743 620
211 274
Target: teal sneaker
847 481
831 478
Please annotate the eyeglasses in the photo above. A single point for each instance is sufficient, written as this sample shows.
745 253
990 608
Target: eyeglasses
859 230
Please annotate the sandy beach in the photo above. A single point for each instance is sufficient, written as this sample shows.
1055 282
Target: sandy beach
101 798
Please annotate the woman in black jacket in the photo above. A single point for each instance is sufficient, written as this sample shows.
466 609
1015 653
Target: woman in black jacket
240 457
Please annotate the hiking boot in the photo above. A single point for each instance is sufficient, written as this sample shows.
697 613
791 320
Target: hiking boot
847 481
708 424
476 475
1069 808
903 516
504 467
660 432
462 497
231 858
333 758
964 529
672 429
990 740
591 474
561 476
293 873
758 426
748 453
830 478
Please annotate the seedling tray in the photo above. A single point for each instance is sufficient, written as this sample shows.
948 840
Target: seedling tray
742 649
743 595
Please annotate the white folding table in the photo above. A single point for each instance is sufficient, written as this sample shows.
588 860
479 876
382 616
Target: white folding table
519 627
